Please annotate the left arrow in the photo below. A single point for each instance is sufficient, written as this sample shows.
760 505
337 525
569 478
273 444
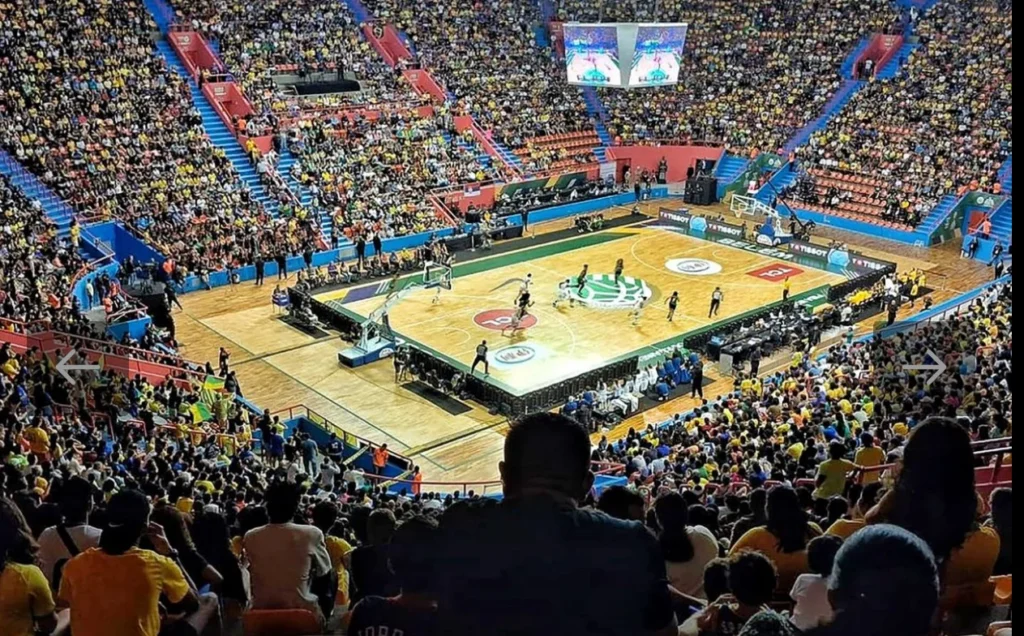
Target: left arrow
63 367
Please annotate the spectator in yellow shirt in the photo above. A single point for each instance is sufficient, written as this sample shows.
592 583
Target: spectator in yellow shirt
26 604
869 456
831 479
115 589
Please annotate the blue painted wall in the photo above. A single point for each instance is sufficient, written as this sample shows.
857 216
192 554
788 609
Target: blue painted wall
124 243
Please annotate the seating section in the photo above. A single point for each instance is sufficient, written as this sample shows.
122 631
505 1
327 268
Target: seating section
559 152
486 55
121 137
854 196
375 175
754 73
943 125
36 267
260 39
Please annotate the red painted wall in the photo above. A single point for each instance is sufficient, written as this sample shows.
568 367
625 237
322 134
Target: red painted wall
378 45
679 158
193 51
424 83
881 49
394 44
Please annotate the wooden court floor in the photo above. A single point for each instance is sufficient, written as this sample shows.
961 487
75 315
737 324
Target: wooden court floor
566 341
279 366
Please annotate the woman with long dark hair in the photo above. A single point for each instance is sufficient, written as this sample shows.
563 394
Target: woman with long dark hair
784 538
934 495
26 604
687 549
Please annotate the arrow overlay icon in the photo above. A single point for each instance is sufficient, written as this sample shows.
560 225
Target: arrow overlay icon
63 367
939 367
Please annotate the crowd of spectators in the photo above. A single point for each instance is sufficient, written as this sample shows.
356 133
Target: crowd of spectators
943 124
94 112
753 73
259 40
374 176
704 485
487 56
36 267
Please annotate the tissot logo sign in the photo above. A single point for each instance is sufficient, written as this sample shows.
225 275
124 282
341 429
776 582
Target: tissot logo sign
800 247
676 216
725 228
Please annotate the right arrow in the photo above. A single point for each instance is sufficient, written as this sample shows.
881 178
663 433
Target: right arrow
939 367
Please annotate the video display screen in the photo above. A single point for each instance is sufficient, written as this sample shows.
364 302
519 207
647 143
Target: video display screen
592 54
658 54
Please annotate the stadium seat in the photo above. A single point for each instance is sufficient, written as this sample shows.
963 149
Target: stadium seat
1002 628
290 622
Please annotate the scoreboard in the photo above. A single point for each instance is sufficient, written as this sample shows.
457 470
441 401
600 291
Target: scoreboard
624 55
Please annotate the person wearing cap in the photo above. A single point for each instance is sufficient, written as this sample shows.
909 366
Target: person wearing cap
116 588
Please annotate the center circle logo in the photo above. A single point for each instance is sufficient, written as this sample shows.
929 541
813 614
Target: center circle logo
498 319
516 354
693 266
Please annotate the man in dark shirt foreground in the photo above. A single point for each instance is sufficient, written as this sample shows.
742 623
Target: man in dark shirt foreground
536 564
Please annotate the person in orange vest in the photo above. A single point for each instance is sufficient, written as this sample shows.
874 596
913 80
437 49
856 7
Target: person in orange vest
417 480
380 459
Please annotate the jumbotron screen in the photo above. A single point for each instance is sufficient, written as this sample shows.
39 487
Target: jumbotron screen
658 54
592 54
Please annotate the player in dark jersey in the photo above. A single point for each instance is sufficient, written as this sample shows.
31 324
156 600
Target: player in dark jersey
672 302
618 270
581 280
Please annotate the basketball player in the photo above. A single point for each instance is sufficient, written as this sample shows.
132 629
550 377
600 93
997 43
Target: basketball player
672 302
564 294
638 309
523 303
716 301
524 287
618 270
581 280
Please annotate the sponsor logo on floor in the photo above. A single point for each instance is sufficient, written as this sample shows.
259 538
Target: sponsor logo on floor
498 319
776 272
693 266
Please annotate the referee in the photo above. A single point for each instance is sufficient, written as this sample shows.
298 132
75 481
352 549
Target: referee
481 356
716 301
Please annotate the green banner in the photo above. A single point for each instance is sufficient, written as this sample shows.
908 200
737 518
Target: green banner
764 162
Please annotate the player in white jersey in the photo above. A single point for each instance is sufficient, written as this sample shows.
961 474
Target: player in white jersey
638 309
564 293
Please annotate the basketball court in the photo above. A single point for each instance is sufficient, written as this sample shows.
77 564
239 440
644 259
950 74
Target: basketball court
557 343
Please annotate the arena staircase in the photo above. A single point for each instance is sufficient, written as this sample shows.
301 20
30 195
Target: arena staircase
1006 175
508 156
218 132
597 111
834 105
359 11
848 67
482 157
892 67
1002 222
785 176
284 168
34 189
936 217
729 169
